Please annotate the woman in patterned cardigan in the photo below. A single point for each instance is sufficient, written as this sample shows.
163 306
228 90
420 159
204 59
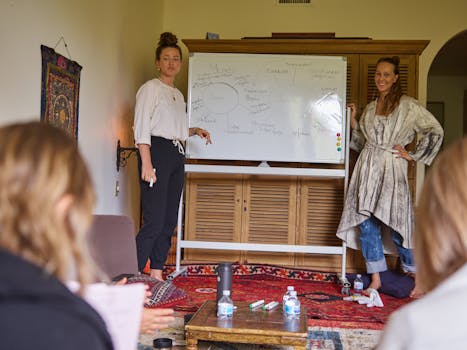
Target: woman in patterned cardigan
378 208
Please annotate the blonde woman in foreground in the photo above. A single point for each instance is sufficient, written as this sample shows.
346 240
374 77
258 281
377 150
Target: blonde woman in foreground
437 320
46 200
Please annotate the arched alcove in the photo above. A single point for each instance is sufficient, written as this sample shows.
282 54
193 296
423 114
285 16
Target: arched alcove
447 87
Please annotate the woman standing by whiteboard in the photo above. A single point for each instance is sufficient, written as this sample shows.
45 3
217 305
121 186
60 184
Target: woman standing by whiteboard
378 206
160 127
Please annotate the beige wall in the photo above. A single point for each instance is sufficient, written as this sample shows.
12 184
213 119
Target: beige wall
433 20
113 40
450 91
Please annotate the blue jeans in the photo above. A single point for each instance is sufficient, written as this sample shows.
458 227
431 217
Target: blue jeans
372 247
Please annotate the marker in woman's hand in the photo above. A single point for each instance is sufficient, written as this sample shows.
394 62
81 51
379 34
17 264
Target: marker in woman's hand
151 182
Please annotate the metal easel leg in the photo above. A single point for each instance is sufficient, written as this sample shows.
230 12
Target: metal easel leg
179 235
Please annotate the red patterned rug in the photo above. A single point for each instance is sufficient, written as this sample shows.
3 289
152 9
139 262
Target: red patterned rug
318 291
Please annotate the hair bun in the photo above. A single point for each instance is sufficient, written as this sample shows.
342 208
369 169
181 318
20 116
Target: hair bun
168 39
396 60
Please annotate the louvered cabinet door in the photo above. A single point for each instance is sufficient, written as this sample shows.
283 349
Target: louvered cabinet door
352 84
269 216
212 213
321 203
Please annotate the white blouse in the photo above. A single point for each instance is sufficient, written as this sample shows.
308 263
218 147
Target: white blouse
160 111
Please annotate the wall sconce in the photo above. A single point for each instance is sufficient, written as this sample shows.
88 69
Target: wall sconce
123 153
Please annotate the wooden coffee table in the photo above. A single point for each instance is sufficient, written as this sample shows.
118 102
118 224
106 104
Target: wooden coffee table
246 326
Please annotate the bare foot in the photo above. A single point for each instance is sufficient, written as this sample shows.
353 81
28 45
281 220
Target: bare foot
157 274
375 283
416 292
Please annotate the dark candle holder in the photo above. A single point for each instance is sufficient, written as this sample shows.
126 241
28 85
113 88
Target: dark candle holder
123 153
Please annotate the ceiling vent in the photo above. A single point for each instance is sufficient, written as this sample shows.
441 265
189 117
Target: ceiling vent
293 2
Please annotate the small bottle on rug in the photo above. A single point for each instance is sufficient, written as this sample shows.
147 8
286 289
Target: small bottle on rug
292 305
358 285
286 296
225 306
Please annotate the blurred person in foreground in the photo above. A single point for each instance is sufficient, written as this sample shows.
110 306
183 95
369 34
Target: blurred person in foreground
46 201
437 320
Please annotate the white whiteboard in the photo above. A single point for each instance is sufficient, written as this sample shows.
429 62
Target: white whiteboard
264 107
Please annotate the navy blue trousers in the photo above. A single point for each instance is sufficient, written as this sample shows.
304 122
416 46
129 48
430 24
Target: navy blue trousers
160 203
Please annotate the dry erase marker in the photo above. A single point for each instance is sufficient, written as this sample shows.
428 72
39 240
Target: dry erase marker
270 306
256 304
152 180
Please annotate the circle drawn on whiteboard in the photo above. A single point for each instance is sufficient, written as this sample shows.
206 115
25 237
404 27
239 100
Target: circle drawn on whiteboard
220 98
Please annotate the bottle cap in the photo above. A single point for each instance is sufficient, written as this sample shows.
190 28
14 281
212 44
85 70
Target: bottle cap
358 275
162 343
289 288
226 292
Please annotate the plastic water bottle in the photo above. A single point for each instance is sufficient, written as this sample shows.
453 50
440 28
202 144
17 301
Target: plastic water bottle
292 305
286 296
225 306
358 285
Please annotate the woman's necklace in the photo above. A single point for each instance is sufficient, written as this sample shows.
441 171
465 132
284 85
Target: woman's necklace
172 89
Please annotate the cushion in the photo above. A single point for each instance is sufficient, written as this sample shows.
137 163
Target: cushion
162 293
392 283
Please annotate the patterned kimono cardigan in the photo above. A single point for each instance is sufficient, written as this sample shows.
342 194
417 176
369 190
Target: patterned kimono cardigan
379 184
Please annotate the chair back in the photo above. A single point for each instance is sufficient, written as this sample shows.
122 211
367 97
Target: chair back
112 244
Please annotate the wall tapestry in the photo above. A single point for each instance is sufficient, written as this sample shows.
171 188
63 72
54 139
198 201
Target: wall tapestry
60 91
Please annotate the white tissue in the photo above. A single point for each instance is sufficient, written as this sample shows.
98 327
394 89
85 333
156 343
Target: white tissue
373 299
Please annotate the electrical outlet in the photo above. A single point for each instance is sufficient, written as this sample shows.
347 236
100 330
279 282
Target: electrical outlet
117 188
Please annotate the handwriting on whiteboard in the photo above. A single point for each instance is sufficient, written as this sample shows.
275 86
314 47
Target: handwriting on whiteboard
252 100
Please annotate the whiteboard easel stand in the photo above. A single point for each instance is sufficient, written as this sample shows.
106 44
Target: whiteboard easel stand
343 279
286 248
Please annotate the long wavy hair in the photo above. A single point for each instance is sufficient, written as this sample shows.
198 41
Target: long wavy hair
391 100
39 165
441 220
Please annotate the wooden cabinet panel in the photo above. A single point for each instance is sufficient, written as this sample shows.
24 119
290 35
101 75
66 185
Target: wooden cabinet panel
213 213
320 208
270 208
243 210
321 203
353 86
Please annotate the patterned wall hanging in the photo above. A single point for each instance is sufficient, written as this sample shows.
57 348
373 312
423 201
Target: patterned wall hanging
60 91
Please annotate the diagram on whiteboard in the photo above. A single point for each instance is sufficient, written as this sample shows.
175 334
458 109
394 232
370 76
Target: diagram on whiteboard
268 107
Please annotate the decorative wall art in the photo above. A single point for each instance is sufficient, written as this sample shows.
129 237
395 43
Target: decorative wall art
60 91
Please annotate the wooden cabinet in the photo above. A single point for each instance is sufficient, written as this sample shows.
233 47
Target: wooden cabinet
244 209
213 212
287 210
320 208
